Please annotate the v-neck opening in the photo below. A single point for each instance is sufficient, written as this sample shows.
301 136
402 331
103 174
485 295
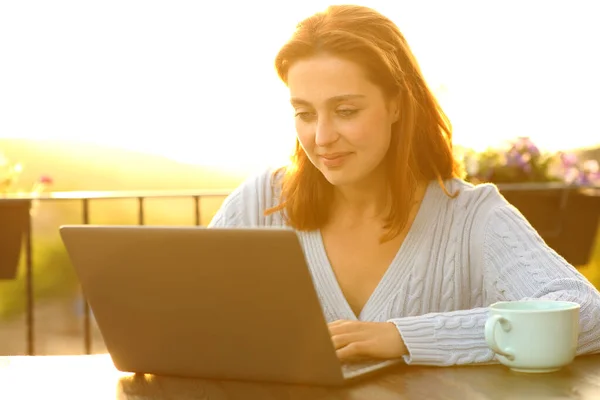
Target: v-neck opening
389 278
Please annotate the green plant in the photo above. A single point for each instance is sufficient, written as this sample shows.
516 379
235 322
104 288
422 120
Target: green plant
520 160
53 277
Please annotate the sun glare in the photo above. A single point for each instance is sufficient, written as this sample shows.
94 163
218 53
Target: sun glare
195 81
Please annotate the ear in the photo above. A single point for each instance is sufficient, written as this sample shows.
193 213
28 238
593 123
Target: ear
394 109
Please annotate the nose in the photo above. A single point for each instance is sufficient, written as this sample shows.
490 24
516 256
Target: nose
326 133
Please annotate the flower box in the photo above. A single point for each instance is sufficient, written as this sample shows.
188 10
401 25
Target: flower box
556 192
566 217
15 207
14 221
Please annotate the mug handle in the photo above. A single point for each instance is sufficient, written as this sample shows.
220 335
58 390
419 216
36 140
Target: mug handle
490 337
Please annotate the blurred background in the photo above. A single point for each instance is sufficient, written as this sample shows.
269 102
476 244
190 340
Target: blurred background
147 95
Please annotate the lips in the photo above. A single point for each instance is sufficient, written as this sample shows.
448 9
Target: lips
333 156
333 160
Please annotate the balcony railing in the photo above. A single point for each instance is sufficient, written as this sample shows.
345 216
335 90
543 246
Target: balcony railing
85 198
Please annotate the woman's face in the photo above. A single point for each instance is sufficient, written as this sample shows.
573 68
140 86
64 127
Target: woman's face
343 121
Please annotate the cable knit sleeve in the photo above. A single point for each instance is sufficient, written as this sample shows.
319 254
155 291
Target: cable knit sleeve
521 266
516 265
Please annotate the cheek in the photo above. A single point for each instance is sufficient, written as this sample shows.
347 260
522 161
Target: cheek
370 134
305 136
383 141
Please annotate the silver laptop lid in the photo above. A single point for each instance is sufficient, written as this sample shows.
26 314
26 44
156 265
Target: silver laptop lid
213 303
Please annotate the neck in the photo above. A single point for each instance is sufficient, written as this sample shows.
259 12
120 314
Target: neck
362 200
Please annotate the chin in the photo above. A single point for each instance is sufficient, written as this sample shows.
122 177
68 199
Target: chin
341 176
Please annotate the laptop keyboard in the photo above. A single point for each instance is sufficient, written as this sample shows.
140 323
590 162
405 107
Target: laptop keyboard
359 368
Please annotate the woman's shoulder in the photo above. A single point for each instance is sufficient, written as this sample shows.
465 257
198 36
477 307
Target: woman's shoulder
247 203
470 206
484 209
474 199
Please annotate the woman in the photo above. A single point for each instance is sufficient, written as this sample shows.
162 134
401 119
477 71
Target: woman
405 255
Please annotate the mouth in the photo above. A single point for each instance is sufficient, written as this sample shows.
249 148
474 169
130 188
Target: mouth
334 156
332 160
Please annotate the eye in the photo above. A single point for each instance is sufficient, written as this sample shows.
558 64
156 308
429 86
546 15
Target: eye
305 116
346 112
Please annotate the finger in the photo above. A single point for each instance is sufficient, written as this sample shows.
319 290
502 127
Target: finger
338 322
342 326
353 351
345 339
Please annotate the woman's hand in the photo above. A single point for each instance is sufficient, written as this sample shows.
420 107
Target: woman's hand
356 339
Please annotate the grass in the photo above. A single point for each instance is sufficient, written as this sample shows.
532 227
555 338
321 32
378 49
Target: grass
53 277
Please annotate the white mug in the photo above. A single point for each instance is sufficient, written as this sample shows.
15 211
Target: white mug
533 335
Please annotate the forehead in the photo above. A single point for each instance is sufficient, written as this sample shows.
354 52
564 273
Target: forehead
320 78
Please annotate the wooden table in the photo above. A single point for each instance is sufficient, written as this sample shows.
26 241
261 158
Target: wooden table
94 377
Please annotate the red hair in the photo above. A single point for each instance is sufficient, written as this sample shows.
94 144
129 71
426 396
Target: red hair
421 144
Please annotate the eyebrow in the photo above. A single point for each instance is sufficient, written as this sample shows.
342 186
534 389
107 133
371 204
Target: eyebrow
335 99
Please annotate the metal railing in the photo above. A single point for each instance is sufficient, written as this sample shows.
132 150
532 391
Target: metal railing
85 198
196 196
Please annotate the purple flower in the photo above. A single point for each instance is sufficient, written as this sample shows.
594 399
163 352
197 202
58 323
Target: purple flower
525 145
514 157
568 159
590 172
572 175
521 160
518 155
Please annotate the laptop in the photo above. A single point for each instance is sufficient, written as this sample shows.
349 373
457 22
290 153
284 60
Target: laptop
227 304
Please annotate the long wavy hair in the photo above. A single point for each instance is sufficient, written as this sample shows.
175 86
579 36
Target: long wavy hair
421 143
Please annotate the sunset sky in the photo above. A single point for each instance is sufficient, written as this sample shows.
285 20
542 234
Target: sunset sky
194 81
